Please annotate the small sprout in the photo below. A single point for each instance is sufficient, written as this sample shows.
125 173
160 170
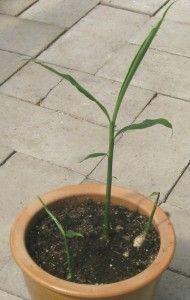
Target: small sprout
140 239
66 235
126 254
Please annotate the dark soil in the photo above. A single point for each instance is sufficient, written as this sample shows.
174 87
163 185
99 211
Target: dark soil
94 261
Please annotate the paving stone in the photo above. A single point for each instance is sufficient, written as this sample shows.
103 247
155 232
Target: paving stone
151 160
6 296
173 287
160 71
178 12
4 153
172 37
14 7
66 98
180 194
52 136
32 83
181 220
9 274
21 179
147 7
61 13
90 42
25 36
9 63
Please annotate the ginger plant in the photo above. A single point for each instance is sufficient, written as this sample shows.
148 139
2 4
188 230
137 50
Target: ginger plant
112 119
66 235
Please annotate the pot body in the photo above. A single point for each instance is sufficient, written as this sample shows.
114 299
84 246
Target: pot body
43 286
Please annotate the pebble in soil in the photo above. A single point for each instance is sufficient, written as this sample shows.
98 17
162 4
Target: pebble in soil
94 261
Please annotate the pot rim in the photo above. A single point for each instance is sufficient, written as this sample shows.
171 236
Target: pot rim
120 196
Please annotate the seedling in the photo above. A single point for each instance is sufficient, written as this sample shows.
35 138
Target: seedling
112 119
140 239
66 234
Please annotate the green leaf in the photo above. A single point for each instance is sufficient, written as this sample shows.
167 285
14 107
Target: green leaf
54 219
77 86
145 124
92 155
71 234
136 62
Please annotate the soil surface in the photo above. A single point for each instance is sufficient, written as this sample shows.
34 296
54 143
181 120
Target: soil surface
94 261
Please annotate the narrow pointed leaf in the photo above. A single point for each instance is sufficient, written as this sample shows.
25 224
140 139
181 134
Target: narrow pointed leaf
145 124
93 155
52 216
77 86
71 234
136 62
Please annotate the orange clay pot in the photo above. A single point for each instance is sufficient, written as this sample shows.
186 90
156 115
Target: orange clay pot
43 286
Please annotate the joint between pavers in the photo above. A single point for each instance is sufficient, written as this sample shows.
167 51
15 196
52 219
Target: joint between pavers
11 294
51 89
126 9
7 158
176 182
17 15
179 272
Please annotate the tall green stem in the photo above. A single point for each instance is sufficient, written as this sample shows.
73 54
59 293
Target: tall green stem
106 224
69 267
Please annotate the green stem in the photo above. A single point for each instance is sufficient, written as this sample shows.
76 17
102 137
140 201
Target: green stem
70 273
106 224
149 222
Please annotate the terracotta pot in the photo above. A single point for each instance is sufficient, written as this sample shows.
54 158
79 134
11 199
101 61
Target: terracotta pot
43 286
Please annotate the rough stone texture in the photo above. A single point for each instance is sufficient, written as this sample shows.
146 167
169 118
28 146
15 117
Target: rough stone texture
9 63
32 83
178 12
6 296
159 71
14 7
25 36
144 159
58 12
4 153
180 194
172 37
149 7
181 220
173 287
11 273
52 136
67 99
21 179
90 42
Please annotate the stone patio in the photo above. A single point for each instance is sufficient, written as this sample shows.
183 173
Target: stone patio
46 127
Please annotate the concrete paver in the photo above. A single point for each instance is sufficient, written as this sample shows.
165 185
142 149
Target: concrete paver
32 83
26 177
159 71
144 159
49 135
14 7
61 13
66 98
90 42
26 36
9 63
11 273
173 287
179 11
6 296
181 220
172 37
147 7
